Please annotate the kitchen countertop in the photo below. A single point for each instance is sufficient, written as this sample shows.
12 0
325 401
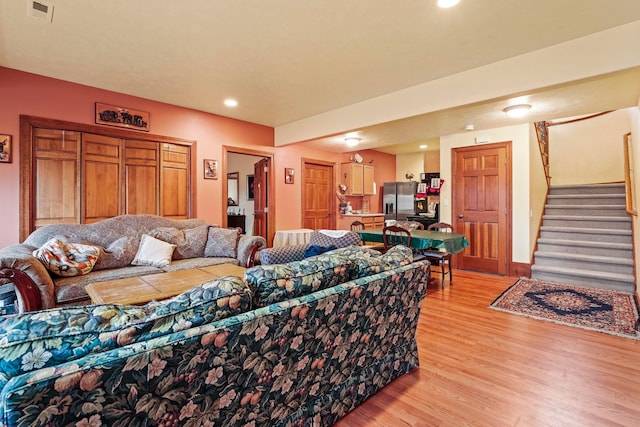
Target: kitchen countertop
363 214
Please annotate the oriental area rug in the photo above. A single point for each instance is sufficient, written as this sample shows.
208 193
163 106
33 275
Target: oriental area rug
599 310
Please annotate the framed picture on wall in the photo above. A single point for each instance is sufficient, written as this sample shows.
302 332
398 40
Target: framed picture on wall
5 148
250 187
210 169
289 175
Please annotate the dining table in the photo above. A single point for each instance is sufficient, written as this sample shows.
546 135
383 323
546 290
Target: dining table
423 239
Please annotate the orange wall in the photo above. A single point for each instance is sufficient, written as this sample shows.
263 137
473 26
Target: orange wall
29 94
24 93
289 196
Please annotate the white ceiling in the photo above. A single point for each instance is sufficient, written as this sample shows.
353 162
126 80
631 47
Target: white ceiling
290 60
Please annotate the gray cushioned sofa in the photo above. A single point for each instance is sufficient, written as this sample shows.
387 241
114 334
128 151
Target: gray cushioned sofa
295 344
119 238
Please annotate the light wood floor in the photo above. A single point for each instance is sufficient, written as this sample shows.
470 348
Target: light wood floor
481 367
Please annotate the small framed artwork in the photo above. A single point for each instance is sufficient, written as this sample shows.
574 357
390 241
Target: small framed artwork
121 117
5 148
250 187
289 175
210 169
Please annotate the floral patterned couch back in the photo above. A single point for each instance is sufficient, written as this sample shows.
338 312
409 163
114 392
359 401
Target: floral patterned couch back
307 359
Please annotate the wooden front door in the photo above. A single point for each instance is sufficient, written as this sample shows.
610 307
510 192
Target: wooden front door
482 206
317 195
260 198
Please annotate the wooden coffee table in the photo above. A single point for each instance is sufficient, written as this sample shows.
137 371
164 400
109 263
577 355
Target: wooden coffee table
142 289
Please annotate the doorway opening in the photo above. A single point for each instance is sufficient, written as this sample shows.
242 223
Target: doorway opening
244 210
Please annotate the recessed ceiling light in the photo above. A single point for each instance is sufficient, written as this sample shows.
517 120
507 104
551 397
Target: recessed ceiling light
230 102
469 127
447 3
424 146
519 110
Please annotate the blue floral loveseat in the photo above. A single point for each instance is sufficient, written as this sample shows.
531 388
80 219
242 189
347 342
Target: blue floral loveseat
294 344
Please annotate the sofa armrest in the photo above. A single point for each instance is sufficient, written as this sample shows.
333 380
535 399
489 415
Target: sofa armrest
27 292
19 257
248 246
282 254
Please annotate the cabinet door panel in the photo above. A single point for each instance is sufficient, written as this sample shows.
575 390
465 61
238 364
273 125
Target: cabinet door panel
367 180
101 157
174 193
352 177
55 177
141 177
174 181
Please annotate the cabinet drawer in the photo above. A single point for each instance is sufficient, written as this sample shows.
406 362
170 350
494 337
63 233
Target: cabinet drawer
367 219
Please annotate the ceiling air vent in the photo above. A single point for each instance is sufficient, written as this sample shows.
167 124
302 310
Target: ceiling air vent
40 9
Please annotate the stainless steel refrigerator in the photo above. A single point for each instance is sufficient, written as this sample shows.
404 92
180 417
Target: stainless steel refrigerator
397 199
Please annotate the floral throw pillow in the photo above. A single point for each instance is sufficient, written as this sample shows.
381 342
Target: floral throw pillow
67 259
222 242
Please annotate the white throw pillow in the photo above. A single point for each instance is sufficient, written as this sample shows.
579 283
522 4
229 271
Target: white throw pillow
153 252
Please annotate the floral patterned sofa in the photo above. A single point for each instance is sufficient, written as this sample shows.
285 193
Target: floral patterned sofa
297 344
195 244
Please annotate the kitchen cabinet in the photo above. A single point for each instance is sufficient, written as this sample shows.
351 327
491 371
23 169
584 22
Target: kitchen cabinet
358 178
369 221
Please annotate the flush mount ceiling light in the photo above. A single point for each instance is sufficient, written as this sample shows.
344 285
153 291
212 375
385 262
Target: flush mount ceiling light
447 3
352 141
230 102
469 127
424 146
517 110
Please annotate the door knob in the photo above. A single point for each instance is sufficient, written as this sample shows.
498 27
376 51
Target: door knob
460 216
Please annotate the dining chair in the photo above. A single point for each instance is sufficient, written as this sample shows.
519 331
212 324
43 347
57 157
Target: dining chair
439 256
357 226
410 225
393 235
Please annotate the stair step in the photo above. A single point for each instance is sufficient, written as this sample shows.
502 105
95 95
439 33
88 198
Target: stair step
586 199
602 249
587 210
586 234
585 243
615 222
585 262
588 258
590 231
581 277
587 188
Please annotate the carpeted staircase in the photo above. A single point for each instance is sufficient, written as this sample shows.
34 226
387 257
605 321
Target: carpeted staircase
585 238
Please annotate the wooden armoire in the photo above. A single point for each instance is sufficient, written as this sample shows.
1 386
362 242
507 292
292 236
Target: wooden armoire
75 173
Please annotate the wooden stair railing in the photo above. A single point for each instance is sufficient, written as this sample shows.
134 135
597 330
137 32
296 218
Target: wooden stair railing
542 131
